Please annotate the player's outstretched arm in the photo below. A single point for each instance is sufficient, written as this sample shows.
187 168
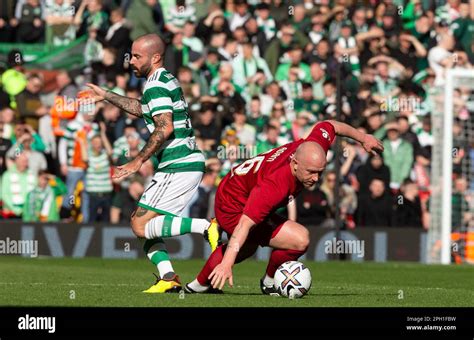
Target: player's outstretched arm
130 105
223 271
369 142
163 129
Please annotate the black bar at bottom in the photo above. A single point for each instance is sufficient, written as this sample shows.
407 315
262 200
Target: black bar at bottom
86 323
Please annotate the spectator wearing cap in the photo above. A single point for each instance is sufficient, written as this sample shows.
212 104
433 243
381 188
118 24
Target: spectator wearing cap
376 208
347 46
265 21
398 156
251 71
295 55
286 38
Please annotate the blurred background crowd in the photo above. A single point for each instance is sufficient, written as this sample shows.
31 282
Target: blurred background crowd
256 75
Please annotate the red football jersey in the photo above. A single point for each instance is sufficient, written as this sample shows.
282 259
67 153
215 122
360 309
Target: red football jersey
264 183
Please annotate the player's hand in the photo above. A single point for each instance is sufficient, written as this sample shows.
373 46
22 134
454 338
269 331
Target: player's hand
372 145
97 93
128 169
220 275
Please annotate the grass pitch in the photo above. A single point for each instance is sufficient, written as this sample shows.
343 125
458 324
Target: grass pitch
100 282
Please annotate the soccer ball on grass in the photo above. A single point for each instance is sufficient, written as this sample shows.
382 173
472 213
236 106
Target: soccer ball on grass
292 279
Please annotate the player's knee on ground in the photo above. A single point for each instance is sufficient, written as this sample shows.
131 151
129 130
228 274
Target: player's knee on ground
138 226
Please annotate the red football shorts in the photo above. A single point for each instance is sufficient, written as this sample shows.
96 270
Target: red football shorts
260 234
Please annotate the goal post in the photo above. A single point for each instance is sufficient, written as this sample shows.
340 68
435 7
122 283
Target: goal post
443 115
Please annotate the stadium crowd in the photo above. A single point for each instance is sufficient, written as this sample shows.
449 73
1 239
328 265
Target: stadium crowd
256 75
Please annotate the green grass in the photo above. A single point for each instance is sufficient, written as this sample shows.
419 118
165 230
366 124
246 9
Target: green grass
99 282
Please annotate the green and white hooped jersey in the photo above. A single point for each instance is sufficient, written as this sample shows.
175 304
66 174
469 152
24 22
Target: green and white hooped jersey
162 93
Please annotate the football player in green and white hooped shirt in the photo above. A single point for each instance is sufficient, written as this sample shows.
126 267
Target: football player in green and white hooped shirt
180 162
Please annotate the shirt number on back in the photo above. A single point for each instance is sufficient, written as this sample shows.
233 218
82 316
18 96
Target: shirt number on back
246 166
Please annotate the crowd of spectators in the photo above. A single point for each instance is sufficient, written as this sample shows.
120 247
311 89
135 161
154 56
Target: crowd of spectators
256 75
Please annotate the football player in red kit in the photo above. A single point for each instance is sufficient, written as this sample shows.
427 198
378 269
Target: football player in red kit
248 196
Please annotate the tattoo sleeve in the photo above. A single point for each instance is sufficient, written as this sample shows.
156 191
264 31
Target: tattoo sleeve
130 105
163 129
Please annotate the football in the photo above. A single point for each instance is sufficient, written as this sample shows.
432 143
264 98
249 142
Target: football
292 279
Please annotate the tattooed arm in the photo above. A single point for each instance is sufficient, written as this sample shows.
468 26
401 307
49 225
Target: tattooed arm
130 105
163 129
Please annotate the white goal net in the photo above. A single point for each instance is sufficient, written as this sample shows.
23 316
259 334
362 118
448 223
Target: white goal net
451 230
